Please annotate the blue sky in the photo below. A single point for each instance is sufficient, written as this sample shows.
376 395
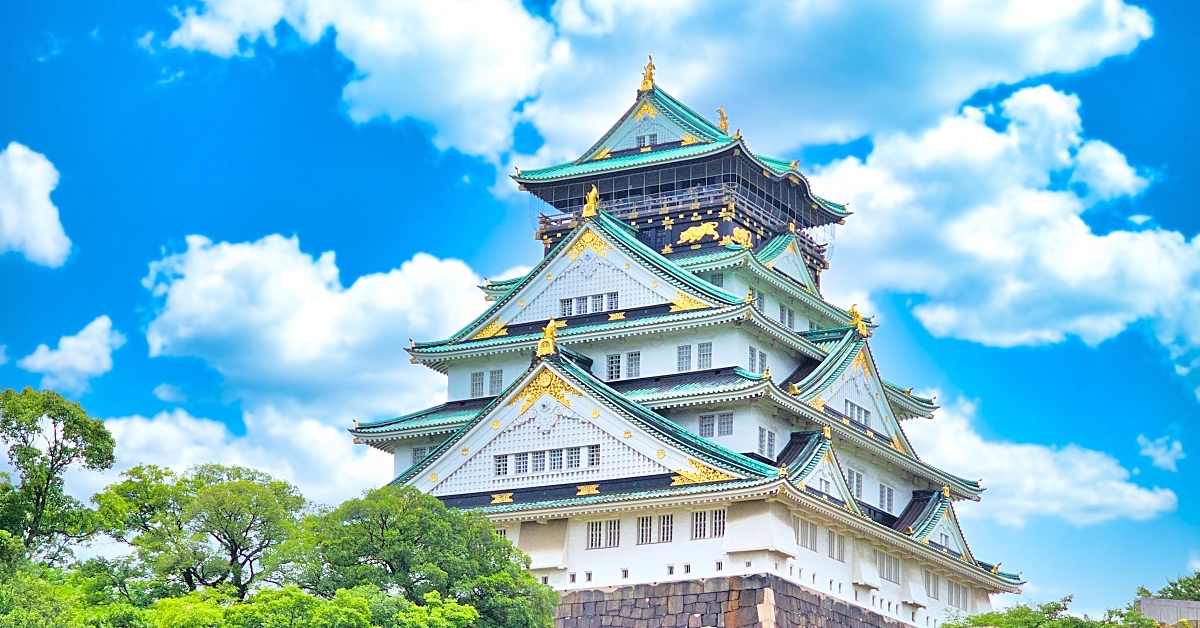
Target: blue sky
224 220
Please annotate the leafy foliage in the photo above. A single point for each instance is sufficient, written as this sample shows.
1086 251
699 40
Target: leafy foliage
46 435
1182 588
211 526
401 540
1051 615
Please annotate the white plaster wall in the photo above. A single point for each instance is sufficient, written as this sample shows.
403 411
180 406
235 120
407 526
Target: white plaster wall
458 384
402 451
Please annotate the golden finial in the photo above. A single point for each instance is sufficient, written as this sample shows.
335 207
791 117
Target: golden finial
793 389
996 568
591 202
795 165
722 121
648 76
767 373
827 433
946 492
783 470
750 296
857 322
546 345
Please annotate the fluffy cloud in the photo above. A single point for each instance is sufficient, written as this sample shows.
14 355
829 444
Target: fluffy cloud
77 358
979 221
284 333
169 393
1163 452
320 459
1026 480
28 219
468 66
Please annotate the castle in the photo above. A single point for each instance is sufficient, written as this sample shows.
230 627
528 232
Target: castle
668 396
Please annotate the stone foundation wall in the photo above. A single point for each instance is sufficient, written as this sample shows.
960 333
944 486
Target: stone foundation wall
734 602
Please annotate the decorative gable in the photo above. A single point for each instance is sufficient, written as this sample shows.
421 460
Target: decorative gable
546 431
790 263
826 480
859 395
948 536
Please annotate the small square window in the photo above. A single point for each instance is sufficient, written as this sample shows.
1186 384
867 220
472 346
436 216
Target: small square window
670 570
687 568
572 578
720 565
613 301
495 382
587 576
633 364
501 465
477 384
725 424
613 362
556 459
707 422
593 455
597 303
545 579
566 307
573 458
581 305
683 358
417 454
625 573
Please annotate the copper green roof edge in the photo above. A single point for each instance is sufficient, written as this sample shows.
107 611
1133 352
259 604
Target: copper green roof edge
721 253
837 208
702 448
925 526
775 247
748 381
910 400
811 455
633 160
420 414
780 166
433 348
678 112
690 489
699 122
832 366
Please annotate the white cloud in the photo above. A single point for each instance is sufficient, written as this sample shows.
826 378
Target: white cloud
28 218
320 459
285 333
1163 452
1193 561
77 359
3 355
169 393
970 217
1026 480
813 71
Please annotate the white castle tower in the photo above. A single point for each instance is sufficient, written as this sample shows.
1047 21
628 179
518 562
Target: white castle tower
667 395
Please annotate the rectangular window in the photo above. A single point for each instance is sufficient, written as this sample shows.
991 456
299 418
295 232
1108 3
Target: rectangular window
502 533
782 314
417 454
645 530
683 358
573 458
539 461
700 524
587 576
854 480
595 535
943 539
593 455
624 573
612 533
760 300
762 441
597 302
666 528
633 364
837 546
717 279
613 301
614 366
725 424
521 463
477 384
707 422
718 523
956 595
556 460
581 305
933 585
806 534
887 498
501 465
566 307
704 355
720 565
495 382
791 319
826 486
670 570
753 366
858 413
687 568
888 565
771 445
762 362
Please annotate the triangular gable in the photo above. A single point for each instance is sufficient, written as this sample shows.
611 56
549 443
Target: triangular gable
654 112
597 258
785 258
946 534
823 476
556 407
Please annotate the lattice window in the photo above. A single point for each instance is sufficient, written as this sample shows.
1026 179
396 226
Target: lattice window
418 453
858 413
593 455
704 355
725 424
538 460
521 463
613 366
573 458
581 305
683 358
556 460
495 382
616 287
612 533
766 442
718 523
700 524
707 422
956 594
837 546
597 302
806 534
887 498
645 530
855 480
595 535
501 465
762 362
666 528
566 307
614 301
477 384
717 279
888 565
633 364
753 365
933 585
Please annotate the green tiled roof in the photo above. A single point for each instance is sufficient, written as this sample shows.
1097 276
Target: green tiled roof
718 381
445 414
690 489
634 160
709 255
777 245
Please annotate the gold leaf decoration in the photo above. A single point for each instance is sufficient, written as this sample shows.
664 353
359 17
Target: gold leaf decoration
688 139
495 425
604 153
502 498
589 240
492 330
546 346
616 316
741 237
546 383
817 403
647 109
587 489
860 361
696 234
698 474
684 303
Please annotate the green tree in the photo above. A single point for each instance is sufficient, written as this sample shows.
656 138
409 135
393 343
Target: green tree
1050 615
46 435
1182 588
211 526
406 542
